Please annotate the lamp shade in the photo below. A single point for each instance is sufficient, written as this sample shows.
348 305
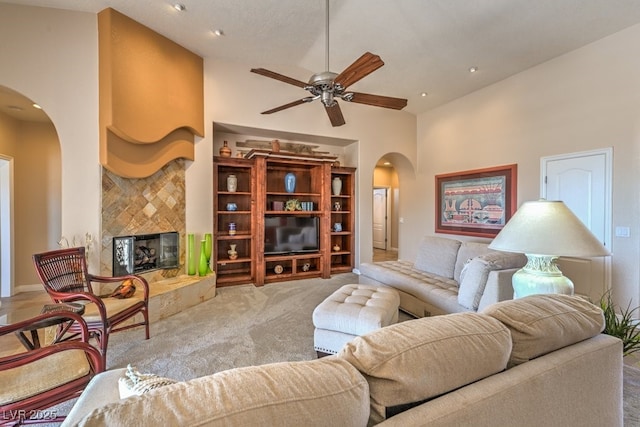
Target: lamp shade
547 227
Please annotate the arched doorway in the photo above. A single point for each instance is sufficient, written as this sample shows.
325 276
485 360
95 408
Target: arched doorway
386 194
30 189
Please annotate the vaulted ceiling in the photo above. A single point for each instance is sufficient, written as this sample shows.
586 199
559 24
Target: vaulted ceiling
427 45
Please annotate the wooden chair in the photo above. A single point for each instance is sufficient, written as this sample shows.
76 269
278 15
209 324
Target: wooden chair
40 378
64 274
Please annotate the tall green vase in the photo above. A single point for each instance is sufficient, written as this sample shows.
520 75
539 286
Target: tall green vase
191 255
208 250
203 267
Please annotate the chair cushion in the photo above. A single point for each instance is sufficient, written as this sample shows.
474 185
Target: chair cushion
475 273
309 393
42 375
437 255
418 359
540 324
112 305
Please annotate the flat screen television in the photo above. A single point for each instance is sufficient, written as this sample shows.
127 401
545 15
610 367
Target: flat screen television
284 234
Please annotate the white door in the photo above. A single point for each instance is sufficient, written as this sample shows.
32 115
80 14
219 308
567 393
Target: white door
583 182
380 218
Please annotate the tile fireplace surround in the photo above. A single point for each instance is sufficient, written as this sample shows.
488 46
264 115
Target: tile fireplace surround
146 206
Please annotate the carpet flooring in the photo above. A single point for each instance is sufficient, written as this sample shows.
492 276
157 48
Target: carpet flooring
247 325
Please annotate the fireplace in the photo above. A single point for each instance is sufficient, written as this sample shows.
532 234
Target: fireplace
145 252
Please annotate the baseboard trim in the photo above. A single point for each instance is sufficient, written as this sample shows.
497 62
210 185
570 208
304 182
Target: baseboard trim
28 288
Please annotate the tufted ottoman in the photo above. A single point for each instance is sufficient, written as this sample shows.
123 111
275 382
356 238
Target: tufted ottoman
352 310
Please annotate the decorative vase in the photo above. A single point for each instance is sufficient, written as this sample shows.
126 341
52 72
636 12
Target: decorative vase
232 229
208 250
225 151
290 182
232 183
233 254
202 266
191 255
336 186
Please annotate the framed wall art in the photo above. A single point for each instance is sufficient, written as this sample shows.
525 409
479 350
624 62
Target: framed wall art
476 202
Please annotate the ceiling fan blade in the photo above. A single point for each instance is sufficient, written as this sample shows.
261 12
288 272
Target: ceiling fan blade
335 115
361 68
378 100
280 77
285 106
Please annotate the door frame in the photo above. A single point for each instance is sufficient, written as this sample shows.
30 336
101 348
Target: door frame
6 226
387 201
608 188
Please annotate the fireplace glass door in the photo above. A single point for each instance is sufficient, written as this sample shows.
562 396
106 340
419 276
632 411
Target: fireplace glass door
145 252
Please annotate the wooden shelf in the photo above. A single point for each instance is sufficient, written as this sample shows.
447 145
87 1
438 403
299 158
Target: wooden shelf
260 184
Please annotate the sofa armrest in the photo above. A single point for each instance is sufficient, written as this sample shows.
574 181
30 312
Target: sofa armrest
498 288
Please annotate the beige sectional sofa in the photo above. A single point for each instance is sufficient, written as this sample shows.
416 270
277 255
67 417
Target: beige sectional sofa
539 360
447 276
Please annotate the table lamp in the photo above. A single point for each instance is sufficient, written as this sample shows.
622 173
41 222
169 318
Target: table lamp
544 230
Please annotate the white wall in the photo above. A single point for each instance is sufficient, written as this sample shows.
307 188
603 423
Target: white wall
52 58
587 99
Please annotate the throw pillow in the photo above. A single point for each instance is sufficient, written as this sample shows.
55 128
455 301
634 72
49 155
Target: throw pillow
468 251
437 255
419 359
135 383
125 290
540 324
474 275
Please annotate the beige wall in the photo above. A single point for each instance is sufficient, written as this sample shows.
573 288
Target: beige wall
35 151
233 95
587 99
53 60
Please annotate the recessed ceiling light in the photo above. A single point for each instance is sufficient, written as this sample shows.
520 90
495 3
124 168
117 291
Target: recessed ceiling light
387 163
473 69
37 106
179 7
423 94
218 33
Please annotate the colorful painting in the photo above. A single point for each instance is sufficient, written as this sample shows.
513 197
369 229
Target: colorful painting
477 202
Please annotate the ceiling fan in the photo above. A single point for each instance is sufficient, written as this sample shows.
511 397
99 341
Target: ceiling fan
328 86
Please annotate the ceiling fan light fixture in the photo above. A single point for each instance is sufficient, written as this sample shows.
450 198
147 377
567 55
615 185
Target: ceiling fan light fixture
327 99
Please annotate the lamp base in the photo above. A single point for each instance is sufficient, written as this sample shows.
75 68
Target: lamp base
541 275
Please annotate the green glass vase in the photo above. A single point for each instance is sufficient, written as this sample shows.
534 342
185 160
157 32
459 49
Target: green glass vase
203 267
208 250
191 255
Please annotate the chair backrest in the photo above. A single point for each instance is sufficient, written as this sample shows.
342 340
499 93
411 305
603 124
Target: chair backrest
63 270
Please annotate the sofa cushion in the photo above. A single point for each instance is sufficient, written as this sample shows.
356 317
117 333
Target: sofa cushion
438 291
473 277
437 255
540 324
284 394
468 251
419 359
